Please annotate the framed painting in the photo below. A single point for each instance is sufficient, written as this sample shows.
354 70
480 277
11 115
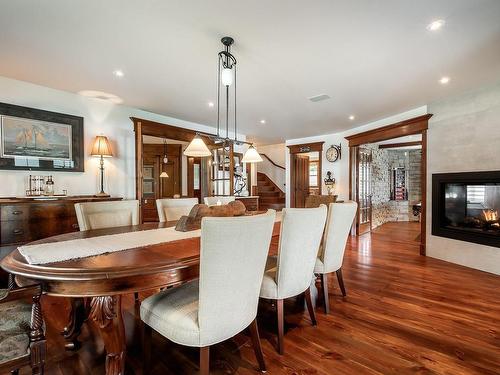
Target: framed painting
33 139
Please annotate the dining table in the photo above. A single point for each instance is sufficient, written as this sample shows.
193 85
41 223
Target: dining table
96 284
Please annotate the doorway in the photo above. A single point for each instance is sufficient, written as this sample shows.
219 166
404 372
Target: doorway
305 172
398 135
364 190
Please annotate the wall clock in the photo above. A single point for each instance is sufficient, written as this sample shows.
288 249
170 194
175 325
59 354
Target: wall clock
333 153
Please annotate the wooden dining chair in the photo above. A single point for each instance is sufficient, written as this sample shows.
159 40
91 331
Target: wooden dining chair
224 199
223 301
97 215
290 273
22 337
331 254
171 209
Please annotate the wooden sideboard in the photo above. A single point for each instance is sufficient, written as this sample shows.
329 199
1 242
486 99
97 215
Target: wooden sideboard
28 219
251 203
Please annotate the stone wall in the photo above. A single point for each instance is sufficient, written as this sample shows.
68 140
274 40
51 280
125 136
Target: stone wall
383 161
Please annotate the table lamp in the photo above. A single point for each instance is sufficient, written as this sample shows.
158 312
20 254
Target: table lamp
101 149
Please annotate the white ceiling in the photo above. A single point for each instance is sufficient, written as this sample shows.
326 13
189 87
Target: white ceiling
374 58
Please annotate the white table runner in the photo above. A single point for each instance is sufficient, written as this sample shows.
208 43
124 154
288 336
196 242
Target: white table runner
86 247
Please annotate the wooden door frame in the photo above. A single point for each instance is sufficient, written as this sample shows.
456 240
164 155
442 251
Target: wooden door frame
417 125
301 149
157 129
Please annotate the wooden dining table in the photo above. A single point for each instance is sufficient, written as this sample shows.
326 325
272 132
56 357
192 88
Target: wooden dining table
96 284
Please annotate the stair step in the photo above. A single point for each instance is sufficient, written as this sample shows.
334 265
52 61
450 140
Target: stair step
269 194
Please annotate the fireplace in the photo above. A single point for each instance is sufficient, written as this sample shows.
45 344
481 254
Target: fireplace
466 206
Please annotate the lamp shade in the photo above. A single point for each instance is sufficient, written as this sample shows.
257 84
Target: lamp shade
251 156
226 77
197 148
101 147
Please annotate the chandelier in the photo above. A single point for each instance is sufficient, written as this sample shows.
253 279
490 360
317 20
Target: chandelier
226 77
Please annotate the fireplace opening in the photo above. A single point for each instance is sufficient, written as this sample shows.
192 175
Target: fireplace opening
466 206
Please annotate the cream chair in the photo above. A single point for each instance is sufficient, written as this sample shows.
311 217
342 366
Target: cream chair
331 254
212 201
172 209
290 273
224 300
97 215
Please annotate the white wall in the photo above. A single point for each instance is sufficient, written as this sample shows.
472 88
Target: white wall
99 117
340 168
277 154
463 136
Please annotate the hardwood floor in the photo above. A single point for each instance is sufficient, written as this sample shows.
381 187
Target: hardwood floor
403 314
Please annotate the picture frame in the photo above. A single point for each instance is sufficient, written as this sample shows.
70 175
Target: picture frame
38 140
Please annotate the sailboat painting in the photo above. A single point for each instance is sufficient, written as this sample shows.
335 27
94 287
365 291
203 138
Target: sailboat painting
21 137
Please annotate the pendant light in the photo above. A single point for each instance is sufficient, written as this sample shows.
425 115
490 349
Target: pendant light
164 174
226 77
251 156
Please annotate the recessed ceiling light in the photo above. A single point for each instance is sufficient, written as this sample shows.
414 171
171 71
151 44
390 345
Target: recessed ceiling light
119 73
435 25
262 121
101 95
351 117
444 80
211 104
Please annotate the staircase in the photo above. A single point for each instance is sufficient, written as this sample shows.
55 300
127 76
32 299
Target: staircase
270 196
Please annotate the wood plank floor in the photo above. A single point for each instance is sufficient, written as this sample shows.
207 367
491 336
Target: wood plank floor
403 314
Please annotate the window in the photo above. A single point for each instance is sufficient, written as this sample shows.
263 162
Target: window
313 173
475 193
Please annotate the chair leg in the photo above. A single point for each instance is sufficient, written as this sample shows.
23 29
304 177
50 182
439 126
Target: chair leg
310 306
324 287
341 281
254 333
147 332
136 297
37 345
281 326
205 360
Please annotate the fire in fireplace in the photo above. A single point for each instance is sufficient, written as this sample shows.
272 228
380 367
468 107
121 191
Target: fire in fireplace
466 206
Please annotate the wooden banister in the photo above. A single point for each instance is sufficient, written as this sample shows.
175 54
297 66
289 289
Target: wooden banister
272 162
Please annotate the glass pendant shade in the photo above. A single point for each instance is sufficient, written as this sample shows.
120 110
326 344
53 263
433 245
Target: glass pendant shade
164 174
197 148
251 156
226 77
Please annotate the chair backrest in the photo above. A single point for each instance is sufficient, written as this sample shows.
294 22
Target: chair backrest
300 238
170 209
96 215
233 254
338 226
212 201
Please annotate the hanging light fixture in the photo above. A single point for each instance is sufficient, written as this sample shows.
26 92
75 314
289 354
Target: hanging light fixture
251 156
164 174
226 77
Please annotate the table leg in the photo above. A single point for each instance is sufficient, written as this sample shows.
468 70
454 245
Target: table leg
77 315
106 313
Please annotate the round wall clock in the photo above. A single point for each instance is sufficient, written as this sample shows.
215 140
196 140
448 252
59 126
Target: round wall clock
333 153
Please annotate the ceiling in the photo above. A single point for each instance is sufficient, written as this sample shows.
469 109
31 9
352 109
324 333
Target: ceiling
374 58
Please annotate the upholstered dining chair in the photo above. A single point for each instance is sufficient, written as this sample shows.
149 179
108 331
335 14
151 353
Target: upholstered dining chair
290 273
224 199
331 254
109 214
22 337
97 215
223 301
170 209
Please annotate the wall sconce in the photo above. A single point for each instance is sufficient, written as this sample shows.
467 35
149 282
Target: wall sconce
329 183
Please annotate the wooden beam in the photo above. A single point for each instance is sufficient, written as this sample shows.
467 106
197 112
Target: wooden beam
400 129
401 144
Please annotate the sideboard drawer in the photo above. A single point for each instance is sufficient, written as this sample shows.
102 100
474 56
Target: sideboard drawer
12 232
36 211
